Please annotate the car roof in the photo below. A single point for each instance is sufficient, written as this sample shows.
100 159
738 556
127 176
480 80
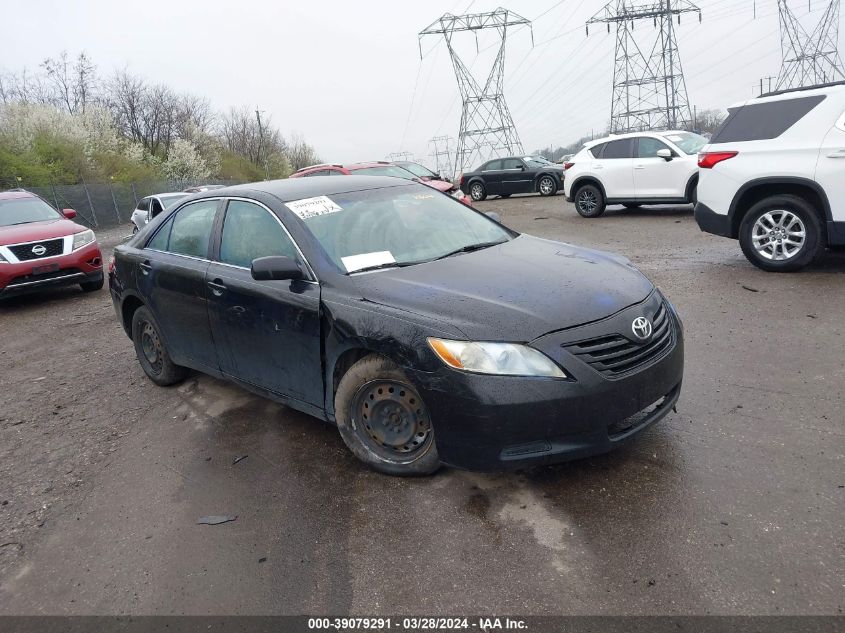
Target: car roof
616 137
16 194
793 93
299 188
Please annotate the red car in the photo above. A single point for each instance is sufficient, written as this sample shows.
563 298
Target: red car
40 247
381 168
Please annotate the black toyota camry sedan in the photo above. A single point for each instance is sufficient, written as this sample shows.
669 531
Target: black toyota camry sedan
425 330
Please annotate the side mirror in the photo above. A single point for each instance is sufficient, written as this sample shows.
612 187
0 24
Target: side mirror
69 213
493 216
277 267
665 154
522 168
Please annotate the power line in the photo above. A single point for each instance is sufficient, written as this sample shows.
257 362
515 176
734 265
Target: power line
809 59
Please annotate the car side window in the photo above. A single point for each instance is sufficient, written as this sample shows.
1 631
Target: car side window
191 230
155 207
144 205
512 163
250 232
597 150
493 165
648 147
162 236
618 149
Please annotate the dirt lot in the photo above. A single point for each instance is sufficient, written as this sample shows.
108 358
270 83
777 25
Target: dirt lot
733 505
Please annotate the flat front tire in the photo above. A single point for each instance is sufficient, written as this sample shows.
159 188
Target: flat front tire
589 201
781 234
151 351
383 420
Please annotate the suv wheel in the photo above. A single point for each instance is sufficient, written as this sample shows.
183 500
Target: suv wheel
477 191
589 202
781 234
151 351
547 186
383 420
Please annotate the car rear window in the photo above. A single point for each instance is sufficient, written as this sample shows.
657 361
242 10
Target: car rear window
762 121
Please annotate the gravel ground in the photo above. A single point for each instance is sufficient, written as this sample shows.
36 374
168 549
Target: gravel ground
733 505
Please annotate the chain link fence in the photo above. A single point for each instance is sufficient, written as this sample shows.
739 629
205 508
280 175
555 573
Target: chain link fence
104 205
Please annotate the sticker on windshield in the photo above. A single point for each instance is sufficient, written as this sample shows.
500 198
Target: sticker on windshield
312 207
365 260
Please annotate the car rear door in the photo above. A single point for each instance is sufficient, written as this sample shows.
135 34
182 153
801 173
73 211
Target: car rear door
830 174
656 177
615 169
267 332
516 178
171 277
493 173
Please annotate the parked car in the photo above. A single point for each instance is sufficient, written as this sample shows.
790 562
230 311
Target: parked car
426 331
634 169
42 248
151 206
201 188
504 177
564 159
380 168
773 177
421 171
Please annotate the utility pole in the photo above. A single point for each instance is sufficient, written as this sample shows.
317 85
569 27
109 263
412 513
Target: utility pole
260 145
809 59
487 129
649 90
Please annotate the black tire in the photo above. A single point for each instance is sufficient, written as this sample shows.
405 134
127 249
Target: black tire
477 191
797 216
631 205
93 286
693 194
375 391
151 351
589 201
547 186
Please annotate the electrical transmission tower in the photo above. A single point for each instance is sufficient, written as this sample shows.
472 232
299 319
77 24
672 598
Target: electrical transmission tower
487 128
809 59
444 147
408 156
649 91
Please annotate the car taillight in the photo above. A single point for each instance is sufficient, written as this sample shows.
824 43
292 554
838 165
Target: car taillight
111 264
567 166
706 160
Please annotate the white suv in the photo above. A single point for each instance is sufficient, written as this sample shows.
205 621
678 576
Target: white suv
774 177
634 169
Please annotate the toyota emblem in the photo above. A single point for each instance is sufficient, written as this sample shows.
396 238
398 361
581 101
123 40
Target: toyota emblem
39 250
641 327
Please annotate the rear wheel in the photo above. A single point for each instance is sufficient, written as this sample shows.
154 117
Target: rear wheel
781 234
383 420
477 191
547 186
589 202
152 352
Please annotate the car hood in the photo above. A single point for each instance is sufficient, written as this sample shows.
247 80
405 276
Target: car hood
37 231
516 291
439 185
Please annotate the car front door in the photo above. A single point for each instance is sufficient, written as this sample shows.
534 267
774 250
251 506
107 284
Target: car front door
656 177
267 332
516 178
493 174
141 214
829 172
615 169
171 276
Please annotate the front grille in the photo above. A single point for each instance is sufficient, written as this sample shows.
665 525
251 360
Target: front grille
51 248
615 355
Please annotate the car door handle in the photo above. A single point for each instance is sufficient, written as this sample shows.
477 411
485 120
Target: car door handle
145 267
840 153
597 166
217 287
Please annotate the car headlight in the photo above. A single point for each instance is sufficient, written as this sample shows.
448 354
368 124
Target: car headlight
83 239
504 359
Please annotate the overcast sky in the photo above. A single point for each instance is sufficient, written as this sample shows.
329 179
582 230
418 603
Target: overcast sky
349 77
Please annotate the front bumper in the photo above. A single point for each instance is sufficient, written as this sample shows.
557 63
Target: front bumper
83 265
711 222
489 423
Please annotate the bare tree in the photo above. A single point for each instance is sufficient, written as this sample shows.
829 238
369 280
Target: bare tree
300 153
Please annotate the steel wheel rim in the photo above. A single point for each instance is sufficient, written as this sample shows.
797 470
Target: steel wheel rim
391 420
476 191
151 347
546 185
778 235
587 201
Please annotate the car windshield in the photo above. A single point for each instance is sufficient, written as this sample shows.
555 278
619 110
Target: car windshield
537 161
418 170
688 142
394 226
170 201
26 210
384 170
